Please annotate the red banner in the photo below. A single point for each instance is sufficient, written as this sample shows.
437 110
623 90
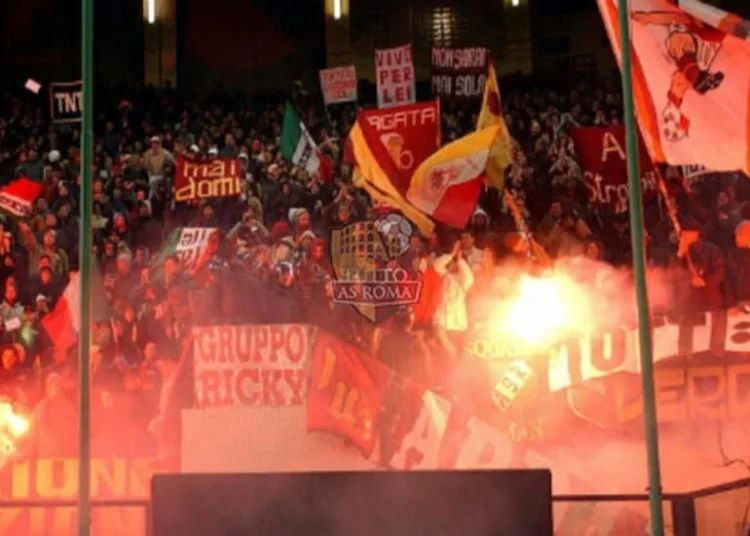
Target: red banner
409 134
347 388
601 153
459 72
205 179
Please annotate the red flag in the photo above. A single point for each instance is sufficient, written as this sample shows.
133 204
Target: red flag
346 392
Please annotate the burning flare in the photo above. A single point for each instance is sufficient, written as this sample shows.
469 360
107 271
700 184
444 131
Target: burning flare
12 427
542 312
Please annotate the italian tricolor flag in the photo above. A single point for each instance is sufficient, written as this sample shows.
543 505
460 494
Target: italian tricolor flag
63 324
298 146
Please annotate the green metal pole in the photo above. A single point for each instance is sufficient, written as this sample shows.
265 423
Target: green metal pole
84 344
639 268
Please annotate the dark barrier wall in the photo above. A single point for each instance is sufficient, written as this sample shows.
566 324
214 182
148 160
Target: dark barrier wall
40 39
449 503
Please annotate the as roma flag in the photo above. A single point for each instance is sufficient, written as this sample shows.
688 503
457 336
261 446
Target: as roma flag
346 392
387 146
691 83
447 185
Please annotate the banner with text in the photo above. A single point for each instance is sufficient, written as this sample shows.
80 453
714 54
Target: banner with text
339 84
459 72
601 153
409 133
207 179
192 245
394 70
48 479
66 102
347 387
250 365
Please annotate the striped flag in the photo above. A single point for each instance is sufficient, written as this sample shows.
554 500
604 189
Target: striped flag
18 197
374 175
447 185
691 81
189 244
63 324
298 146
501 153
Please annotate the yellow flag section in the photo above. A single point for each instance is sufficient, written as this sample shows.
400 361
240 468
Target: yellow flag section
501 153
369 174
447 185
691 85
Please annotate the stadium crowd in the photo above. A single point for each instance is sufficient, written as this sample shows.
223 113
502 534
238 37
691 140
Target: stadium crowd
271 262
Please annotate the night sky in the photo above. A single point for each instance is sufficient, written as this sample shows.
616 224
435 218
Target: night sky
42 36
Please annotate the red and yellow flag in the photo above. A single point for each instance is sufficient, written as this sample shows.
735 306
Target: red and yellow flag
501 153
347 388
374 174
447 185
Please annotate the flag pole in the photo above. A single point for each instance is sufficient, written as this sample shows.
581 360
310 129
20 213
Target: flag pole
639 269
84 341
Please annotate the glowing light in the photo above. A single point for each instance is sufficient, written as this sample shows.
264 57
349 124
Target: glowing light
12 427
544 311
337 9
151 11
515 3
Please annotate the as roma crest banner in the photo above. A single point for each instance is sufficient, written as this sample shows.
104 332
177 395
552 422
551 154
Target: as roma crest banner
207 179
407 135
691 85
347 387
459 72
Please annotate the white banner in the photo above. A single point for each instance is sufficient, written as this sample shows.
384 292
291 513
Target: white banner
618 351
339 84
394 70
261 440
251 365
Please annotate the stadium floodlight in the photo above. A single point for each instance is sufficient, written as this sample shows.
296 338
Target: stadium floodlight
515 3
151 11
336 9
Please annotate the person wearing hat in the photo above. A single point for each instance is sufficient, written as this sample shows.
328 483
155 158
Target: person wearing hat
701 270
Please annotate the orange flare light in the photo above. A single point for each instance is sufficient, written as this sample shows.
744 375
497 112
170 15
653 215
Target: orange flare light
543 311
12 427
